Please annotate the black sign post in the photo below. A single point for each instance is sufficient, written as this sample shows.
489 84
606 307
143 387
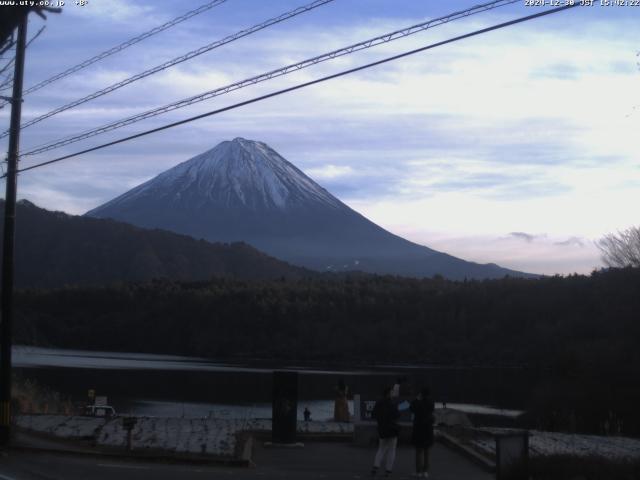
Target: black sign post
284 407
128 423
512 455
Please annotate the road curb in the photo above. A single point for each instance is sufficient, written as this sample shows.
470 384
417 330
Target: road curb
174 459
481 460
72 448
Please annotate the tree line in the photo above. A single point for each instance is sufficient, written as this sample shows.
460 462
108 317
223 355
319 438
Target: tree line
583 330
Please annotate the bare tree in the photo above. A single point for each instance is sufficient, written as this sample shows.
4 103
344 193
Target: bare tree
621 249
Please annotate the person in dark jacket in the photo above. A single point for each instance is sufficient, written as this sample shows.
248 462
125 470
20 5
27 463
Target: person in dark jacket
422 435
386 413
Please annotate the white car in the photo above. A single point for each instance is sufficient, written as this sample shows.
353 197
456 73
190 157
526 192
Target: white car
100 411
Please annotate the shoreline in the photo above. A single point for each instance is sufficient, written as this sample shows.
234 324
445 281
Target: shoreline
22 352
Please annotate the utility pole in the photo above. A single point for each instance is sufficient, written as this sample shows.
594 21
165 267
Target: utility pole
6 307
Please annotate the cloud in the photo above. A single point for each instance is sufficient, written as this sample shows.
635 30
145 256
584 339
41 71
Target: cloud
345 182
114 10
520 130
572 242
330 172
543 256
558 71
527 237
498 186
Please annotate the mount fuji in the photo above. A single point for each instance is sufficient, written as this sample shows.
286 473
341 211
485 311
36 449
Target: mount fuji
243 190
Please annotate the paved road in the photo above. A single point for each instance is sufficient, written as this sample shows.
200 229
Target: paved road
314 461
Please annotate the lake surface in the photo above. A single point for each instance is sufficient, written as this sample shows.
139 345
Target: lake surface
163 385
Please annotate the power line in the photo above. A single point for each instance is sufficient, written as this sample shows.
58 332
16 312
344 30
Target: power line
127 44
8 79
7 83
388 37
9 45
177 60
303 85
7 65
38 33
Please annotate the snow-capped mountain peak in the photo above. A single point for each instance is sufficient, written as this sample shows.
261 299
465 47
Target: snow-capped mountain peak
243 190
238 173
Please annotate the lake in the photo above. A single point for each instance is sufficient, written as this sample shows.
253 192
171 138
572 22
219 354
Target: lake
163 385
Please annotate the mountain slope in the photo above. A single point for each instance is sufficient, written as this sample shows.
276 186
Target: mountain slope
243 190
55 249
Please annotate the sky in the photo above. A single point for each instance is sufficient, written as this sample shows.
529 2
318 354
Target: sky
518 147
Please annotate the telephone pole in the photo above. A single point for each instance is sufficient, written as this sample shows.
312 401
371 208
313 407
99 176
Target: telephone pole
6 307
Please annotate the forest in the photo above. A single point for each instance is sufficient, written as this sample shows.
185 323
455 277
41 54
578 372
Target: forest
54 249
582 331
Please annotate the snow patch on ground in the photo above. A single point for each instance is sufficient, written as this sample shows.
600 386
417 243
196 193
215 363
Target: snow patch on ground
196 436
313 428
221 437
74 428
544 444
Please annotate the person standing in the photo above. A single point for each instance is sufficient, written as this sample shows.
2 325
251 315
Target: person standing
386 413
422 435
